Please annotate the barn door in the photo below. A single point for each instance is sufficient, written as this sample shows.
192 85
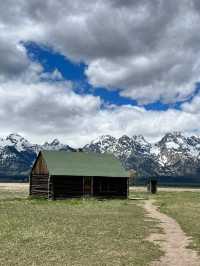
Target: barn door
87 186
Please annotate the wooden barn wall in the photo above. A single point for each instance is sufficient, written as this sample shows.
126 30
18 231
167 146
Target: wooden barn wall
40 168
39 185
67 186
39 178
110 186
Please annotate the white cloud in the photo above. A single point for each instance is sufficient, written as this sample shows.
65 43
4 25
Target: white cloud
137 46
52 76
149 49
43 111
192 107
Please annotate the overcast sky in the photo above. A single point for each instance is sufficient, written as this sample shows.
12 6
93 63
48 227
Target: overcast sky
74 70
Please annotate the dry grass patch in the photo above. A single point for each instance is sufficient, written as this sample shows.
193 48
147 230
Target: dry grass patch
73 232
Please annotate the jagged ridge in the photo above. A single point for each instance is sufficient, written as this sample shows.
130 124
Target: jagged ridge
174 155
17 155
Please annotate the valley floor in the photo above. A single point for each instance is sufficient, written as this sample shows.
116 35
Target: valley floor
166 189
15 186
73 232
92 232
25 186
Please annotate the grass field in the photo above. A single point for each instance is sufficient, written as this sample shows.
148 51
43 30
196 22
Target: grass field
73 232
88 232
185 208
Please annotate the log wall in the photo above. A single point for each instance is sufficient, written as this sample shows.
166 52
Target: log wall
39 178
39 185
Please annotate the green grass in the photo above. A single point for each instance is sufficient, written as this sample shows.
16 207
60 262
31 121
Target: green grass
185 208
10 195
73 232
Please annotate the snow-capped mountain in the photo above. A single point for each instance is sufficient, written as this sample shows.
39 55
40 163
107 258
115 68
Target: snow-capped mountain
17 141
174 146
174 155
122 147
17 155
55 145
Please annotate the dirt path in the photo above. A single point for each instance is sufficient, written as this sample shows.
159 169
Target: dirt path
173 242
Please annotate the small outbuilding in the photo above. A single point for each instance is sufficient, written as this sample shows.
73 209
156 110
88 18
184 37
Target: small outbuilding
152 185
62 174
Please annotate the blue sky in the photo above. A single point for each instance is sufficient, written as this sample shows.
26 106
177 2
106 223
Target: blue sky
75 72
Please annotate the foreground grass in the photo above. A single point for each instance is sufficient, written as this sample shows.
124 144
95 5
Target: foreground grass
73 232
185 208
11 195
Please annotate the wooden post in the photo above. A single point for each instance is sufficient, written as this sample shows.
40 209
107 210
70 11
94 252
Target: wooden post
127 194
148 185
92 186
30 184
52 189
49 187
83 186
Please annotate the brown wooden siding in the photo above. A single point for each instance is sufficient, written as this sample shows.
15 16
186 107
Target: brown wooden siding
67 186
39 185
40 167
39 178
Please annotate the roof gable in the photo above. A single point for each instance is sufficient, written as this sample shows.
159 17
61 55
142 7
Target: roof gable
83 164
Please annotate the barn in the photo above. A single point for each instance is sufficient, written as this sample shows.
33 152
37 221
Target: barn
62 174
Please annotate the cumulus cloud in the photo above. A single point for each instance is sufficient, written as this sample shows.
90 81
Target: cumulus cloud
52 76
192 107
135 46
148 49
43 110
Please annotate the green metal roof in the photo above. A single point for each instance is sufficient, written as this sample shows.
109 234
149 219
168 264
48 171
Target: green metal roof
83 164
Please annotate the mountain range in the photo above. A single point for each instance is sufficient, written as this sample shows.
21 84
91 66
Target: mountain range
174 156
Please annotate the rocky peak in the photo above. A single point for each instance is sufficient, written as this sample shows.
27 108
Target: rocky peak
14 137
17 141
55 142
175 137
103 139
140 144
54 145
125 140
194 141
139 138
173 155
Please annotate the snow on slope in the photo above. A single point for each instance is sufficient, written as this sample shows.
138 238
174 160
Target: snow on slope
173 154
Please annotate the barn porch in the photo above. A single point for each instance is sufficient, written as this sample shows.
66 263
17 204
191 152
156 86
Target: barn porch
69 187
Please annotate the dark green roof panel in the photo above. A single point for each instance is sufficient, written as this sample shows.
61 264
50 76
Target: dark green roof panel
83 164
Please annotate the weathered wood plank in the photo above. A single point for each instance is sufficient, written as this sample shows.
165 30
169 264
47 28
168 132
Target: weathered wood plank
39 185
